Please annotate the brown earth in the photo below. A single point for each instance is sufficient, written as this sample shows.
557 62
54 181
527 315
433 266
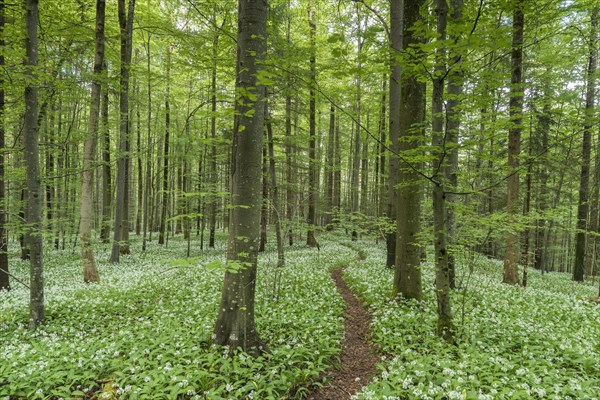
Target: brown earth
358 359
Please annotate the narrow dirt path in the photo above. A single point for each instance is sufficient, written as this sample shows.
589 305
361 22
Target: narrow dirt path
358 359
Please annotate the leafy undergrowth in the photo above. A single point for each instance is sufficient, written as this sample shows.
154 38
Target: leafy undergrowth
144 331
542 342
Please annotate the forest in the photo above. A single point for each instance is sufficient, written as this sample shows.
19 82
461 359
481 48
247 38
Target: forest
299 199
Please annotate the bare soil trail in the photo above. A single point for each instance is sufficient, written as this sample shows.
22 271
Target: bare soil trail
358 359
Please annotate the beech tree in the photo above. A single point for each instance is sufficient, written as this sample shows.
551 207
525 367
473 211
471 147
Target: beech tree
235 322
90 272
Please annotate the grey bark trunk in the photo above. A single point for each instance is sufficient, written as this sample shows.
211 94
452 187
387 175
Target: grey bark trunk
126 30
4 268
33 235
583 205
235 322
511 254
90 272
165 174
407 277
312 146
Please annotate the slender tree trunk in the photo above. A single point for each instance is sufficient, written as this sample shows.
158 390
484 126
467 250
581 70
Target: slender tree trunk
511 254
4 271
33 236
235 322
328 217
583 205
445 327
274 190
213 147
147 186
90 272
140 172
312 150
455 90
107 189
407 277
526 211
381 200
264 209
165 175
539 254
126 29
337 174
354 188
394 125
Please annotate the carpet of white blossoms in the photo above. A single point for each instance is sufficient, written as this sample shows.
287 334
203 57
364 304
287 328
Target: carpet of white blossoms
542 342
144 332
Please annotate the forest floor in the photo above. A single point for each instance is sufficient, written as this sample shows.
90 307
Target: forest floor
144 332
358 362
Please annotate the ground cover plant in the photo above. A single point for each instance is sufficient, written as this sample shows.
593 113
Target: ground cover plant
144 332
542 342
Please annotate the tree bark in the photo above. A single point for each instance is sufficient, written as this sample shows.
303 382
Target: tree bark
213 147
445 328
407 277
455 90
33 236
4 268
126 30
107 189
511 254
235 325
264 209
274 190
312 145
90 272
147 222
583 204
330 170
165 175
394 125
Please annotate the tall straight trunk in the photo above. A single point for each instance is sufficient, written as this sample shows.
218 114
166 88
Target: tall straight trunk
107 189
213 145
140 173
289 173
90 272
540 243
511 253
264 209
337 174
274 190
329 170
445 327
148 183
126 30
33 236
455 90
583 205
364 175
235 325
394 124
407 277
593 249
354 188
525 258
381 154
165 174
312 145
4 271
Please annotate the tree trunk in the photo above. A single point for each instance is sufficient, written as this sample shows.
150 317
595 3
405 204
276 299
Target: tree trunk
165 174
312 146
126 29
329 170
526 210
394 125
235 323
213 147
147 193
107 189
4 271
90 272
140 172
33 236
511 254
407 277
455 90
274 190
264 209
445 327
583 205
